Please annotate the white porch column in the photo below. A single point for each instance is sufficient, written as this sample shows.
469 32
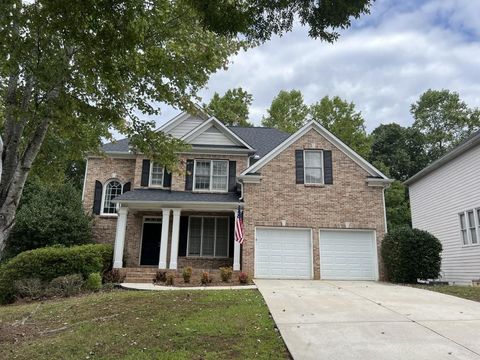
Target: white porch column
162 263
236 248
175 236
120 238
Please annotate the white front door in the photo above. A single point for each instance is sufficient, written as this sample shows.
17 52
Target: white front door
348 255
282 253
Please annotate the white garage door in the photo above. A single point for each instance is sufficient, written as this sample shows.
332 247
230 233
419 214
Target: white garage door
348 255
283 253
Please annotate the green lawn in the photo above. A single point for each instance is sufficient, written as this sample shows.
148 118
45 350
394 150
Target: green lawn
143 325
466 292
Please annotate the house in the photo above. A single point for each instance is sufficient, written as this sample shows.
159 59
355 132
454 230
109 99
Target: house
445 201
313 208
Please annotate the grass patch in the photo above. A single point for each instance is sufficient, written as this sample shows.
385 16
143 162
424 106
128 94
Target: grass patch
143 325
466 292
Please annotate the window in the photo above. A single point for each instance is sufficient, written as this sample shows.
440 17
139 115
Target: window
470 226
313 166
211 175
156 174
113 188
208 236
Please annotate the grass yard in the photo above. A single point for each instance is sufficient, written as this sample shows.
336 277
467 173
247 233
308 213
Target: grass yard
466 292
143 325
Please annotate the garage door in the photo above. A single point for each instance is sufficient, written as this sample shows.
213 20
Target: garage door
283 253
348 255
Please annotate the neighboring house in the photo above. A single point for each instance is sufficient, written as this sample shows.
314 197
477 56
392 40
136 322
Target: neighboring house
445 201
313 208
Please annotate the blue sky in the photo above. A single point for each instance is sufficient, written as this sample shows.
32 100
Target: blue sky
382 63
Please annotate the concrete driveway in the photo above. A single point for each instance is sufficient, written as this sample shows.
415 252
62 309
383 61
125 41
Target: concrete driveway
367 320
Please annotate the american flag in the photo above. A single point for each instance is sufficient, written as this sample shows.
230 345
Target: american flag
239 226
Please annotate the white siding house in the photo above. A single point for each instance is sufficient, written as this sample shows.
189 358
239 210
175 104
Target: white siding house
445 201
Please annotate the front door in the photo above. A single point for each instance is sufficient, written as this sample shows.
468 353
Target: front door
151 236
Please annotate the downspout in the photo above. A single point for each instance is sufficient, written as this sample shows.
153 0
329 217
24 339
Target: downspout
85 180
385 208
241 190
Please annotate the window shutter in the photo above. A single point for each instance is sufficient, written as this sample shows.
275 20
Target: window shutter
189 175
299 166
327 167
167 178
145 172
127 187
182 240
97 198
232 176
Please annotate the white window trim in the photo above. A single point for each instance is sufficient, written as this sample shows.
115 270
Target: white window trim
322 182
476 221
104 214
150 177
215 236
211 176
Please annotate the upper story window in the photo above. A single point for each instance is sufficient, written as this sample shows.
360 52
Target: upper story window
156 174
313 166
211 175
113 188
470 226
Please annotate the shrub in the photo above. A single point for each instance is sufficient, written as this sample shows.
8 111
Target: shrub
161 276
170 279
187 274
108 286
206 278
243 278
51 262
411 254
113 276
93 282
29 288
226 273
65 286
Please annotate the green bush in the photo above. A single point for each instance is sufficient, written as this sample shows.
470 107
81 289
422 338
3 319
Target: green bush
29 288
226 273
187 274
49 215
51 262
65 286
93 282
411 254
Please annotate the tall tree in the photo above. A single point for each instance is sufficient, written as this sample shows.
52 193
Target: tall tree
444 119
73 70
339 117
232 107
397 206
287 112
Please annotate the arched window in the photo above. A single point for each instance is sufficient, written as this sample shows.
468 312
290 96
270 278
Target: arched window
113 188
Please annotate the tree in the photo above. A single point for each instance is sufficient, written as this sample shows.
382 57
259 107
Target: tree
340 118
444 119
397 206
287 112
73 70
232 107
400 149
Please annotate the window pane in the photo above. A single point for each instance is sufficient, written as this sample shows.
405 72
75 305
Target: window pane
462 221
208 236
195 236
313 176
157 174
113 189
202 175
220 168
221 248
464 237
471 219
313 159
473 235
219 183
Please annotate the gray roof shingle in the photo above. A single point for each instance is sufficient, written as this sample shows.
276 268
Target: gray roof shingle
117 146
168 195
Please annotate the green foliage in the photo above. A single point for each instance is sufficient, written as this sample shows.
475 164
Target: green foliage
411 254
232 107
397 206
51 262
187 274
226 273
49 215
93 282
444 119
30 288
65 286
340 118
287 112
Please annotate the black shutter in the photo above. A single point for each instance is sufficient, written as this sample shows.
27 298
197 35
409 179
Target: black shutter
167 178
182 241
145 172
189 175
232 176
127 187
299 166
327 167
97 197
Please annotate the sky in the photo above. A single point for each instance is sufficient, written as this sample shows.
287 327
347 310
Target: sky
382 63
